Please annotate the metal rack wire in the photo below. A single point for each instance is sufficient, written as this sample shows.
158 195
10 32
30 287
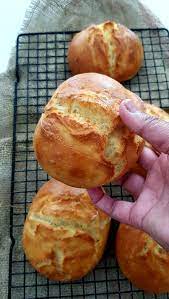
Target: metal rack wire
41 65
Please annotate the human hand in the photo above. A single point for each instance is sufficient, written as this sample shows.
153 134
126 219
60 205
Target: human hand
150 211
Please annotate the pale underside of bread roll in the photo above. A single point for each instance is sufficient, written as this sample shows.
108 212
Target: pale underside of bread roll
109 48
80 138
64 234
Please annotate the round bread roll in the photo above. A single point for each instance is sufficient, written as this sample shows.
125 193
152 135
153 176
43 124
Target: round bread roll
159 113
80 138
64 234
108 48
144 262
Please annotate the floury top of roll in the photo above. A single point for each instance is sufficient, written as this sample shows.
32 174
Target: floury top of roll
80 138
142 260
108 48
65 234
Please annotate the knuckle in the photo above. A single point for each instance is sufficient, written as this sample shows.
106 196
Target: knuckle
165 146
134 218
153 127
148 123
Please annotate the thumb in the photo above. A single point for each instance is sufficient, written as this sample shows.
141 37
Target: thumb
152 129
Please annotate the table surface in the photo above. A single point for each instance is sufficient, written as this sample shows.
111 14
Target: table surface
12 15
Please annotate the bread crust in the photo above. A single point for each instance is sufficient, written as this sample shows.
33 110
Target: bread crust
64 234
144 262
109 48
80 138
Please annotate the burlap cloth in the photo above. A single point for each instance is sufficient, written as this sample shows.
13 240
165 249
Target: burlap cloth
51 15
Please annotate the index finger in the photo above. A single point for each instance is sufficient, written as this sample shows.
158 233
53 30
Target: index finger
117 209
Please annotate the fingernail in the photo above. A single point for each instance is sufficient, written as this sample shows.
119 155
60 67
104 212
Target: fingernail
130 106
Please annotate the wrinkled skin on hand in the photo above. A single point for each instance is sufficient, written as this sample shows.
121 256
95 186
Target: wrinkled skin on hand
150 210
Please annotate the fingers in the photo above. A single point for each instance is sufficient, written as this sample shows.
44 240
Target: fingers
147 158
152 129
134 184
157 177
96 194
118 210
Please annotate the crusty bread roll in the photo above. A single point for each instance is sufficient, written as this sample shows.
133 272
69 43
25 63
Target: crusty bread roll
80 139
144 262
159 113
64 234
108 48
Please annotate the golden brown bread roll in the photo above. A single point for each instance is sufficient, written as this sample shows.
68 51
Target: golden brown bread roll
144 262
108 48
64 234
159 113
80 139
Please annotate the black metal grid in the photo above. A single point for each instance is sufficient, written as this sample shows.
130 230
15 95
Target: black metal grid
41 66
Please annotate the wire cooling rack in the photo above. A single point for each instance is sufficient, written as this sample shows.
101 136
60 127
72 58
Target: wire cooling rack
41 65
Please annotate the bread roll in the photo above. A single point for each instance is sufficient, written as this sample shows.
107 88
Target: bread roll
64 234
108 48
80 139
142 260
159 113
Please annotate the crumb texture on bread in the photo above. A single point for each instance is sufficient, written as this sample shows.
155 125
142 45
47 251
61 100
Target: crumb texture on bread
64 234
